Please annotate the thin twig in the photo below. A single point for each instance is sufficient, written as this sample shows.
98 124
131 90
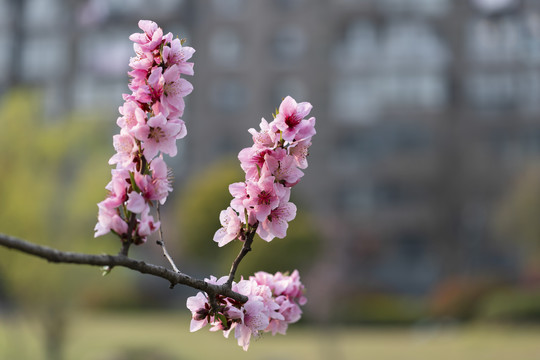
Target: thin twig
161 243
243 252
57 256
128 240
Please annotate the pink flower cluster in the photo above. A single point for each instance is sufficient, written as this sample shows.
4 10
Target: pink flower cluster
272 166
273 303
149 125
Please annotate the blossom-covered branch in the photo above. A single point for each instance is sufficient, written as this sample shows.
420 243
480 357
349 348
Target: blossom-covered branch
261 206
149 125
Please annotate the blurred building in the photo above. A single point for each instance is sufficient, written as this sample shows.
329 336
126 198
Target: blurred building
426 109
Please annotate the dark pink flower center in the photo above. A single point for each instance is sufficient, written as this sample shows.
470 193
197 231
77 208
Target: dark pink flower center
259 157
156 134
264 198
293 120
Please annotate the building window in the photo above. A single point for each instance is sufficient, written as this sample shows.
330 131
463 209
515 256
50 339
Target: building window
529 92
491 91
425 91
288 5
355 198
363 99
353 100
226 48
412 44
44 58
289 43
425 7
495 41
229 95
230 9
358 48
42 14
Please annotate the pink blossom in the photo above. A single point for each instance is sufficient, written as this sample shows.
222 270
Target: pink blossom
158 135
254 322
126 149
262 197
284 169
156 81
175 53
141 63
169 89
136 202
266 310
161 183
108 219
238 191
293 287
215 281
132 115
266 137
200 309
183 131
147 224
151 38
174 90
306 129
276 224
231 226
290 116
150 188
300 151
252 160
282 284
289 309
290 312
149 124
140 92
117 187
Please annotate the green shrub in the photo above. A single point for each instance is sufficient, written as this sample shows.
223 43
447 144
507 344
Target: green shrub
511 304
380 309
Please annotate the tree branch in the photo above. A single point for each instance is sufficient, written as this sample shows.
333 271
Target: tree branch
57 256
243 252
161 242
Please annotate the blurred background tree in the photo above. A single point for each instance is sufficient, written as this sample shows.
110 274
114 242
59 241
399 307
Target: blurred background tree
517 218
52 178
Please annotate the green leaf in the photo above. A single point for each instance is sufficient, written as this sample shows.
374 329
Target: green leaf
133 183
222 318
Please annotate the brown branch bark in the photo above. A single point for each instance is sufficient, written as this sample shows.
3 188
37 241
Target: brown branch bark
246 247
57 256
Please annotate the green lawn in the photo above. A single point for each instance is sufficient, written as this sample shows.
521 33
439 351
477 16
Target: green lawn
164 336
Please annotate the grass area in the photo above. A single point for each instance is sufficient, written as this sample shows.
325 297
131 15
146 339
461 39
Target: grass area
165 336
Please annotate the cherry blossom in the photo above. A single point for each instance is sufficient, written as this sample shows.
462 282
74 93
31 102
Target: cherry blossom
276 224
262 197
290 117
158 135
231 227
149 126
151 38
161 180
273 303
272 166
126 149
